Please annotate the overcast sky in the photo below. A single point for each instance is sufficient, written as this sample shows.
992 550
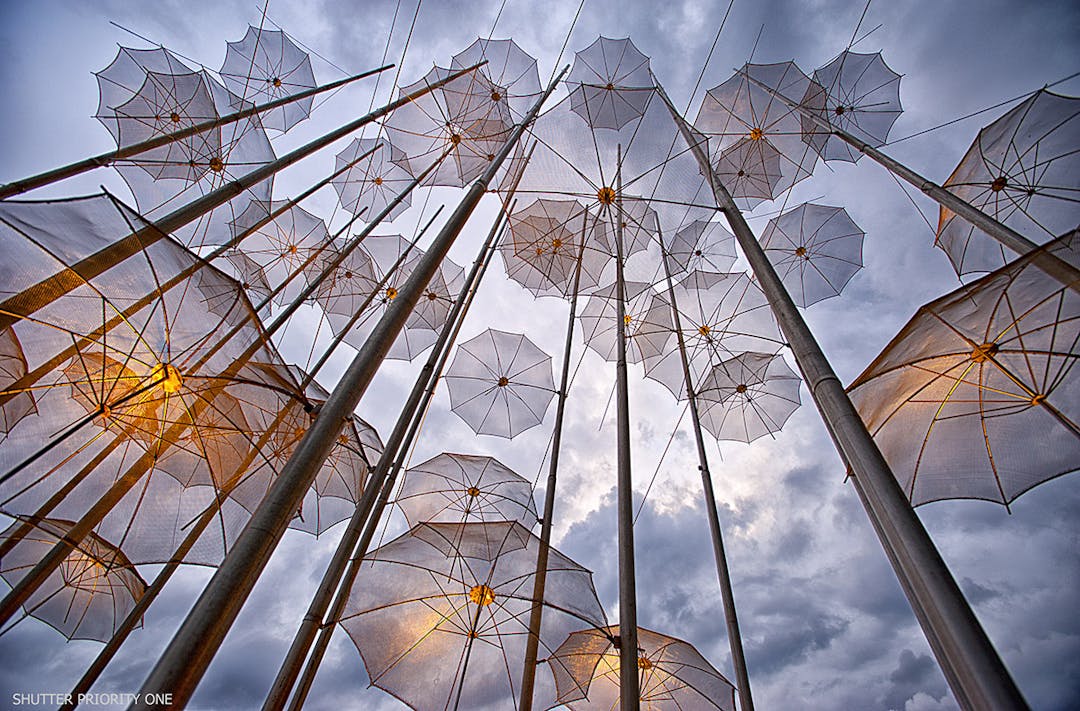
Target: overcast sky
825 624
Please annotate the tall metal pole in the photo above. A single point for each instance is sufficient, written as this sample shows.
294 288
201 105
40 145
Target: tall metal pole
978 677
29 300
390 466
727 595
184 661
331 580
532 643
18 187
1053 265
629 685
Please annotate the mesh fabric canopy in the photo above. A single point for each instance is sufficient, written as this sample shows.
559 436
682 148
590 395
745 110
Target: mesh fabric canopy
440 615
977 396
856 93
19 402
514 78
265 65
721 315
647 321
1023 170
88 595
229 151
372 182
500 383
748 396
815 249
739 109
465 488
701 246
751 170
610 82
672 674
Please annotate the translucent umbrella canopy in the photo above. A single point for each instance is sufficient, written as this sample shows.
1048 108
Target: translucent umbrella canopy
352 287
266 65
252 278
88 595
701 246
170 180
672 674
750 170
976 397
465 488
856 93
658 169
440 615
20 402
1023 170
748 396
610 83
128 367
164 104
511 71
721 315
372 182
815 249
547 238
500 383
647 320
282 246
739 109
459 119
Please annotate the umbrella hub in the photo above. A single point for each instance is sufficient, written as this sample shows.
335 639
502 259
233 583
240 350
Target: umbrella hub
999 183
627 319
704 330
555 244
643 663
473 491
391 293
756 134
276 81
503 381
740 388
741 173
455 139
174 117
169 377
840 110
431 295
609 86
984 352
482 595
606 195
216 164
377 180
496 96
1038 399
800 251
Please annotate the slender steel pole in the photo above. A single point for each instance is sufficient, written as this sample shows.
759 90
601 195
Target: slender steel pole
727 595
532 643
28 301
629 685
976 673
184 661
1053 265
313 619
390 466
105 159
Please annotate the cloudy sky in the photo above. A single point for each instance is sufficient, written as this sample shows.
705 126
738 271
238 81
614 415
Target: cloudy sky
825 624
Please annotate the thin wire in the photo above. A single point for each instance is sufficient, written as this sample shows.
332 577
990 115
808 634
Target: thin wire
708 58
660 463
851 42
562 50
982 111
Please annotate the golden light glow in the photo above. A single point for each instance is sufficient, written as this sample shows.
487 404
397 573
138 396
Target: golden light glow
377 180
606 195
216 164
644 663
756 134
704 330
473 491
800 251
276 82
174 117
482 595
171 380
556 243
627 319
982 353
391 293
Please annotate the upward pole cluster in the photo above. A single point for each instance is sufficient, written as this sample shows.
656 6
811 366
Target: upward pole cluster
140 382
